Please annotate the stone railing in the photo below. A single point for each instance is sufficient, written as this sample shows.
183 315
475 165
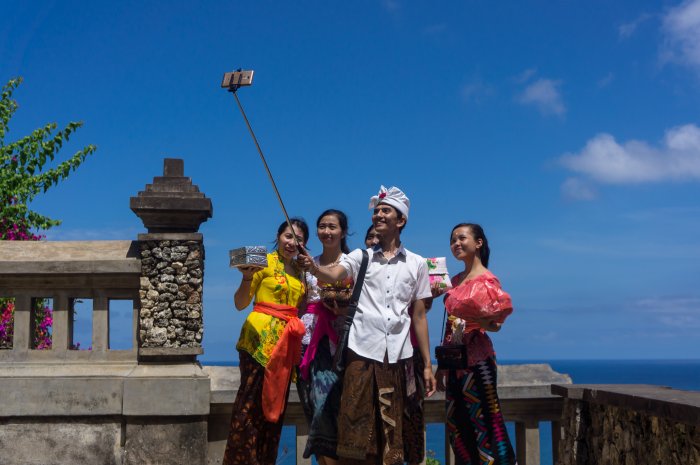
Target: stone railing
64 272
524 391
144 405
629 424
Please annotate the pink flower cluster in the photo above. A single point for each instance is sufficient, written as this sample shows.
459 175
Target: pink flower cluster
43 320
43 316
7 327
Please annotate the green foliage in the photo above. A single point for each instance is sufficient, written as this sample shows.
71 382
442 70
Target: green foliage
22 172
430 459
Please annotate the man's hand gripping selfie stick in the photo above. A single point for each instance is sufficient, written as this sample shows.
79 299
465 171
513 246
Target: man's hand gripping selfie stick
234 81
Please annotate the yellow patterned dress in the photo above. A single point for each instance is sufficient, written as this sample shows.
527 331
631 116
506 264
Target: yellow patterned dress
273 284
252 439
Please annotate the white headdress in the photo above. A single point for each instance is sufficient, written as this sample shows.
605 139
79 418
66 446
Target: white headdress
393 197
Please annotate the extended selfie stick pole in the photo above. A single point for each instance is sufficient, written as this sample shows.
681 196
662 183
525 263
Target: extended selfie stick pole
234 81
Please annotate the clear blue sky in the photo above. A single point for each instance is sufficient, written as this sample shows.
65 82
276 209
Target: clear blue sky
570 130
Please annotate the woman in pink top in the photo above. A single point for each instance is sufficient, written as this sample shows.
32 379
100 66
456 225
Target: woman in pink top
476 304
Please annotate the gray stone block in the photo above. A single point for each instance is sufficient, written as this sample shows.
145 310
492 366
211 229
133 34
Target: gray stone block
165 441
61 441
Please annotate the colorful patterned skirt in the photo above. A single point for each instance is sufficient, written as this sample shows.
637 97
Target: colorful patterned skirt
320 398
477 430
252 440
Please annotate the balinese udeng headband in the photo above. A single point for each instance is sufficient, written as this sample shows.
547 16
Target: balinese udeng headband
393 197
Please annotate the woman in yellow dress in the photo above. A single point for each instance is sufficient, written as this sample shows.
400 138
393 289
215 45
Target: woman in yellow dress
269 348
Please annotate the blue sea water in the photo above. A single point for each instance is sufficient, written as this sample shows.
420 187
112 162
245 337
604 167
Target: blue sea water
678 374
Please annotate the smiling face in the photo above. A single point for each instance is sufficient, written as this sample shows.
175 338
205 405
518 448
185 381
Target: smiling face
463 245
329 231
372 238
386 220
285 242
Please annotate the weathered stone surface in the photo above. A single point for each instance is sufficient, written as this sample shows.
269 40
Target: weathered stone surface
61 441
594 431
166 441
171 293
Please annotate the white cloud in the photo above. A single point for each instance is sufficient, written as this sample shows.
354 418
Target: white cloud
627 30
476 91
606 80
677 312
578 189
621 246
681 27
604 160
545 95
525 75
391 6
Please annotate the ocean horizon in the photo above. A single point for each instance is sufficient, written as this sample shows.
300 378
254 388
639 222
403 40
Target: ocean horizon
681 374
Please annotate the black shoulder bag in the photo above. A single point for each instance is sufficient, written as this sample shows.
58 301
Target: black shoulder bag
450 356
339 358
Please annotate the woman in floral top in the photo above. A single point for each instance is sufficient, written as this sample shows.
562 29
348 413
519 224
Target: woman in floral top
269 347
476 304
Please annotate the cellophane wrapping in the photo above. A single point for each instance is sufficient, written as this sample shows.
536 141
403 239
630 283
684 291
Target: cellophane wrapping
481 297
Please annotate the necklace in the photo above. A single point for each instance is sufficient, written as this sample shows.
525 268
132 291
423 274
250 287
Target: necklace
332 264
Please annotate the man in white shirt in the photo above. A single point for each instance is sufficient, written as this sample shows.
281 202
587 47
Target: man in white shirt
379 346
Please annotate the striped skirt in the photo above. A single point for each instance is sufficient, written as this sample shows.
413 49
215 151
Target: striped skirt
477 430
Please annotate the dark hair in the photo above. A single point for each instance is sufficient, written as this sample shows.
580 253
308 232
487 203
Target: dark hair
478 233
371 227
342 221
298 222
399 215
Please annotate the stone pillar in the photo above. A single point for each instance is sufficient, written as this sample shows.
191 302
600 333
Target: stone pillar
172 265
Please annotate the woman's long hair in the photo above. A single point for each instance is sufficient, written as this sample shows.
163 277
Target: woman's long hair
342 221
478 233
299 223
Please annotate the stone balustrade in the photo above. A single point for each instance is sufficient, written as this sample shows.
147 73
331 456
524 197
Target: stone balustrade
102 271
629 425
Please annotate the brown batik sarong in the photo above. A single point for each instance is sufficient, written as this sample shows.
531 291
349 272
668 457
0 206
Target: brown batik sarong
371 410
252 440
414 422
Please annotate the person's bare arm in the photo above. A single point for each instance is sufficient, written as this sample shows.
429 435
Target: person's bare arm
420 326
326 274
242 297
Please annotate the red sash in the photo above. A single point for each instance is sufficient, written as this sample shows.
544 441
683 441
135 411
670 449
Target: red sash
285 355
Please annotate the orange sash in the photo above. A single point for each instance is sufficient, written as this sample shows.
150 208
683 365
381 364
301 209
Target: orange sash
285 355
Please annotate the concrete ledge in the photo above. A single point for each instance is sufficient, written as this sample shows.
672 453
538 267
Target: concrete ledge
664 402
60 397
527 381
170 353
35 390
171 237
166 390
68 257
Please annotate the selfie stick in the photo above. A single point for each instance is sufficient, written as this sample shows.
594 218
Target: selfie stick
234 81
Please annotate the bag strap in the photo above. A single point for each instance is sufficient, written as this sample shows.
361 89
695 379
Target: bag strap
355 298
444 323
338 358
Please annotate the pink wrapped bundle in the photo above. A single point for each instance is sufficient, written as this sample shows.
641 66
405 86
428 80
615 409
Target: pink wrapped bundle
479 298
438 275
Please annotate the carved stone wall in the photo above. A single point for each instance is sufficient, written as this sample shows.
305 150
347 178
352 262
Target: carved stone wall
171 291
610 435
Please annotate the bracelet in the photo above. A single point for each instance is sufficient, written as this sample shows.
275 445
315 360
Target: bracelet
247 280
